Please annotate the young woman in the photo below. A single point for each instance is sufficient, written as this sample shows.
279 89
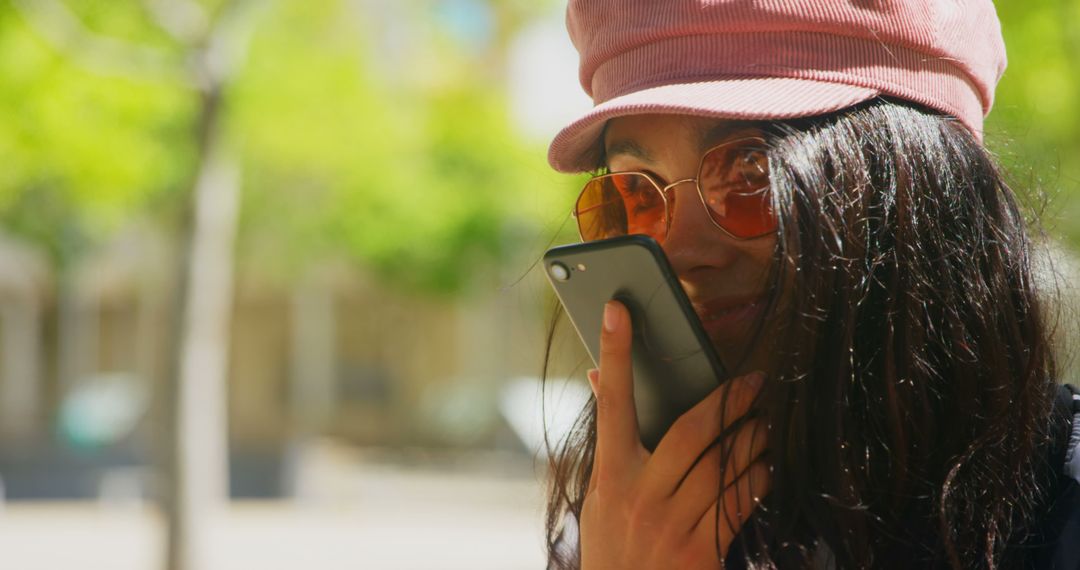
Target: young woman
815 173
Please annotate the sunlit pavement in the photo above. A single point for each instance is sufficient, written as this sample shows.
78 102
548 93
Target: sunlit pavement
389 519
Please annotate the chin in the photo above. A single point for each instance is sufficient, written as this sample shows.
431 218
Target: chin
733 354
737 354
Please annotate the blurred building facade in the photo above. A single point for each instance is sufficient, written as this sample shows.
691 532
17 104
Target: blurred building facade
337 355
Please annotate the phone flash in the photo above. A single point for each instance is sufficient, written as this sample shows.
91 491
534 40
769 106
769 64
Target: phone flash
581 267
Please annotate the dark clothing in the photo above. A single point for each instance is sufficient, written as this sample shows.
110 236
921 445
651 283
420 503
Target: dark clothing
1056 544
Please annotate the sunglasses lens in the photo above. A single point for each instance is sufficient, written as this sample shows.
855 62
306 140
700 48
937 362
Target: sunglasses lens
734 181
620 204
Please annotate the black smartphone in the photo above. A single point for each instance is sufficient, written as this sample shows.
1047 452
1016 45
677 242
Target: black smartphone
674 363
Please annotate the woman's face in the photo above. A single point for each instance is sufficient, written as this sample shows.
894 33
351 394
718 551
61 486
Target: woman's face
725 278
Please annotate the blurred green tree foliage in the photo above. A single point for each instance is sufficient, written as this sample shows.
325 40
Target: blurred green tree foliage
383 141
83 150
1035 124
370 130
404 162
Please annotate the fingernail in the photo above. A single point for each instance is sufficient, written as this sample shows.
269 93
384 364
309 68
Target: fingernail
756 379
611 317
593 375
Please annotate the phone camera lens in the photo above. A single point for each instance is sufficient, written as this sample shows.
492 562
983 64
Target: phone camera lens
559 271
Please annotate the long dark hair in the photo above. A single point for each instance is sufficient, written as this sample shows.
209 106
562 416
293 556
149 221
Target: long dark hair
909 400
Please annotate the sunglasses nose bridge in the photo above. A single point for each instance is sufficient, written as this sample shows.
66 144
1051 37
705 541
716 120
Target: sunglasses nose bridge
667 192
667 189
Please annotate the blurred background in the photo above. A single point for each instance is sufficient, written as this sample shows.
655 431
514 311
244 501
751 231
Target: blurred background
268 287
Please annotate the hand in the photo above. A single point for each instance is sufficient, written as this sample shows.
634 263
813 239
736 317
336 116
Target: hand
658 510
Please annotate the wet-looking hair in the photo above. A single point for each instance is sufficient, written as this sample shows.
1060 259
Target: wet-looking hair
909 398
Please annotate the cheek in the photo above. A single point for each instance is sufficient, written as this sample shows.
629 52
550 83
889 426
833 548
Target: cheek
735 349
760 255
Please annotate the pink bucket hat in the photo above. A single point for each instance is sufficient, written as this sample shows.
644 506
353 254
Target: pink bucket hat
776 59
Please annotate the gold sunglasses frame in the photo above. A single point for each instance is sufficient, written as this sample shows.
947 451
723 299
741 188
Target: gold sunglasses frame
663 190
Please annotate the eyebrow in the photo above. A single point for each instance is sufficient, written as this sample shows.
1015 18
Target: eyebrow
630 147
707 137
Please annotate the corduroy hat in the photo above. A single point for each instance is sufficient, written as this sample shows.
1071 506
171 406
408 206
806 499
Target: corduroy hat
776 59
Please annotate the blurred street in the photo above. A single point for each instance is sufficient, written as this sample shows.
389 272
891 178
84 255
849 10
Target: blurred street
393 519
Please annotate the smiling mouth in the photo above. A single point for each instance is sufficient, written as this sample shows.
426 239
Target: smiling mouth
710 315
714 310
720 319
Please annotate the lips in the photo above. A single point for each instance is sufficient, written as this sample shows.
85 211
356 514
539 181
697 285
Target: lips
721 307
728 315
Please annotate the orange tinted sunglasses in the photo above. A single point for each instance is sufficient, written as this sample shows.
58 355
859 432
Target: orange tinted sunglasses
732 182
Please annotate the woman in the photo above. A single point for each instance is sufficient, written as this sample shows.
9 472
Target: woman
815 173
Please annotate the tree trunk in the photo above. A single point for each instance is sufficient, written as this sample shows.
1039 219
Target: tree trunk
198 486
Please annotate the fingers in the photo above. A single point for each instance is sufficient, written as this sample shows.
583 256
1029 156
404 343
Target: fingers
617 438
622 512
702 486
696 430
593 375
735 505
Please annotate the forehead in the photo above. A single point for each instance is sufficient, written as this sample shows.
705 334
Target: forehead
642 136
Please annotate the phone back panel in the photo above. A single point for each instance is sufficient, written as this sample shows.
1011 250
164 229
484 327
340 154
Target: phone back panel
674 363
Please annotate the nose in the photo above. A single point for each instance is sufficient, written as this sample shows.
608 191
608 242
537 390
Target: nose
693 241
